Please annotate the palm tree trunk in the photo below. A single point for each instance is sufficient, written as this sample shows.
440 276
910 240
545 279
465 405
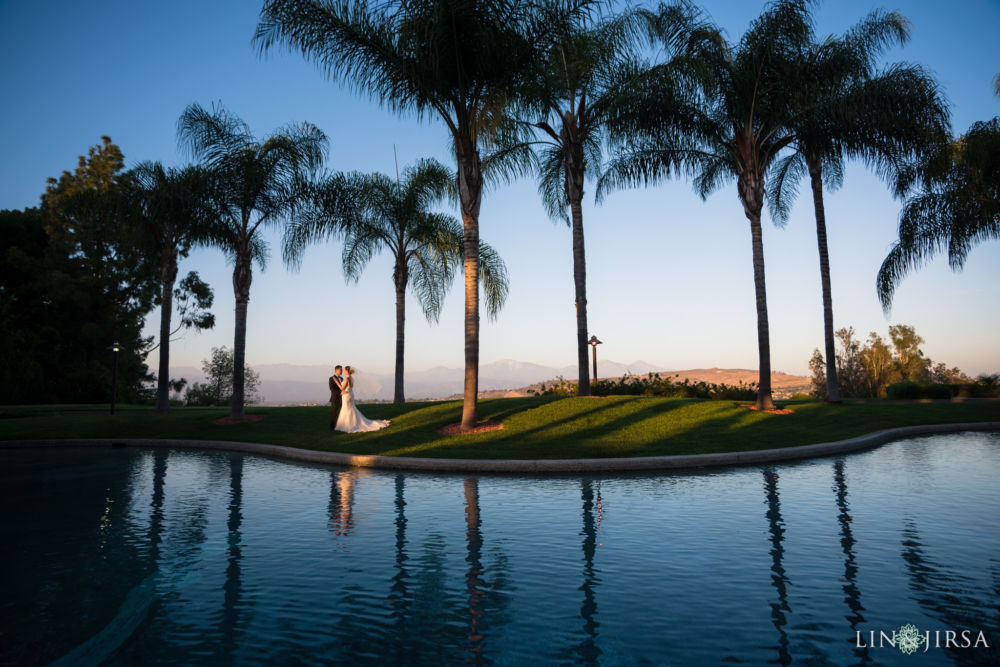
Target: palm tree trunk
470 189
752 195
242 276
400 280
168 274
574 185
580 282
816 178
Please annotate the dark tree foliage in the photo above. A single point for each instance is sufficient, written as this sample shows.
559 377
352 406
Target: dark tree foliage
76 276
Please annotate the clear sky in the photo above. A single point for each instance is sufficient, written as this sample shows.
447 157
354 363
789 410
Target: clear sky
669 276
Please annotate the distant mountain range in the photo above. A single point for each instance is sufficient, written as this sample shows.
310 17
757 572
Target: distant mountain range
288 384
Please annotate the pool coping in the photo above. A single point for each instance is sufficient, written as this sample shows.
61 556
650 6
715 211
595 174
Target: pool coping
530 466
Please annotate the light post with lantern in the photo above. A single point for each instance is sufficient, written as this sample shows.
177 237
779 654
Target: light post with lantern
116 348
593 344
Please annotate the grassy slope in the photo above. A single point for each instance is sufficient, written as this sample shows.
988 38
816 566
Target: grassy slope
534 428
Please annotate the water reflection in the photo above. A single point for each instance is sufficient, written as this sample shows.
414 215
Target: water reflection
399 593
155 535
956 599
588 651
852 594
473 575
779 578
244 571
342 502
232 615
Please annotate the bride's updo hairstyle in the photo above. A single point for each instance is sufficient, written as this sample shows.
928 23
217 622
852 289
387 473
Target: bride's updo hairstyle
348 370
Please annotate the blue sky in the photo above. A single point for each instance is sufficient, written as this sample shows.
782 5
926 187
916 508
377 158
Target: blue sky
669 276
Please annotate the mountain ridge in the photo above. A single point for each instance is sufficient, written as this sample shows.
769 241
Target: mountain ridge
295 384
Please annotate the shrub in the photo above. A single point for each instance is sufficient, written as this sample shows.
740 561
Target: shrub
916 390
985 386
655 385
562 388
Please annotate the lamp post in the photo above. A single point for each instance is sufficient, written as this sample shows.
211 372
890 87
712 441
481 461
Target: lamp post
116 348
593 344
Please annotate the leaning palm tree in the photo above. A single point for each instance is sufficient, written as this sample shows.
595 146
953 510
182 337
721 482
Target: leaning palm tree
257 184
888 119
568 102
173 207
957 208
460 60
718 112
373 212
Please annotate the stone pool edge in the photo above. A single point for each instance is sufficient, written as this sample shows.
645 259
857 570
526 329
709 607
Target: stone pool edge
530 466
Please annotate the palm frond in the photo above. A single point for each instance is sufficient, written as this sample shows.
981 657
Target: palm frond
783 186
494 279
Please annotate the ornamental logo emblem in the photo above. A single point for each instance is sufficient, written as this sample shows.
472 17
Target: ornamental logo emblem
909 639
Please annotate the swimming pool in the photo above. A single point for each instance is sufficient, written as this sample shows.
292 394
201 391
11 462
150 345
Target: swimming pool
159 556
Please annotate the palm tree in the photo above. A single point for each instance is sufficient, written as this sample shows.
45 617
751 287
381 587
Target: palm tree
172 206
572 97
460 60
375 213
718 112
957 208
257 183
851 110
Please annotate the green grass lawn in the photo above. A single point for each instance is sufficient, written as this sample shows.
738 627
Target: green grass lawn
534 428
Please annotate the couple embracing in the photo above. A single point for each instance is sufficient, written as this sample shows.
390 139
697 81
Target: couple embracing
344 415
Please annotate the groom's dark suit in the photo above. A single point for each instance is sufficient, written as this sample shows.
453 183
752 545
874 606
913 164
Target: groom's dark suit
336 400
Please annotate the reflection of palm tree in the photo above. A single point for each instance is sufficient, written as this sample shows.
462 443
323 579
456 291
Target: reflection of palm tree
588 650
342 502
956 599
156 506
852 594
233 586
473 577
399 598
778 576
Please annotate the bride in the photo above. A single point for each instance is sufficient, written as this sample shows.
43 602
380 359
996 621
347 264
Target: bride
350 419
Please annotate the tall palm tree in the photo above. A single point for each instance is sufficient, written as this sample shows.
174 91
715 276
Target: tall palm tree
172 204
460 60
886 118
373 213
718 112
571 97
957 208
257 183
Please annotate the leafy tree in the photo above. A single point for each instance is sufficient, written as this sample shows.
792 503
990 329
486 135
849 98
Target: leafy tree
910 361
876 357
957 207
867 370
574 92
256 184
847 108
463 61
941 374
720 112
849 360
817 381
101 281
173 205
373 212
218 386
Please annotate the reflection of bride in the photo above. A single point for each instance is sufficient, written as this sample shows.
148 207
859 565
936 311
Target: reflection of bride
350 419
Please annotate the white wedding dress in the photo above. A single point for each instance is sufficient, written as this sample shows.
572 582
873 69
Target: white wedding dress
351 420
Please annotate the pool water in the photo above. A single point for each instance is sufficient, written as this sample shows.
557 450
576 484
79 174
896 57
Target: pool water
156 556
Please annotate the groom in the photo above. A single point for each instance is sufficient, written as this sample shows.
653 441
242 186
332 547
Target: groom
336 400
